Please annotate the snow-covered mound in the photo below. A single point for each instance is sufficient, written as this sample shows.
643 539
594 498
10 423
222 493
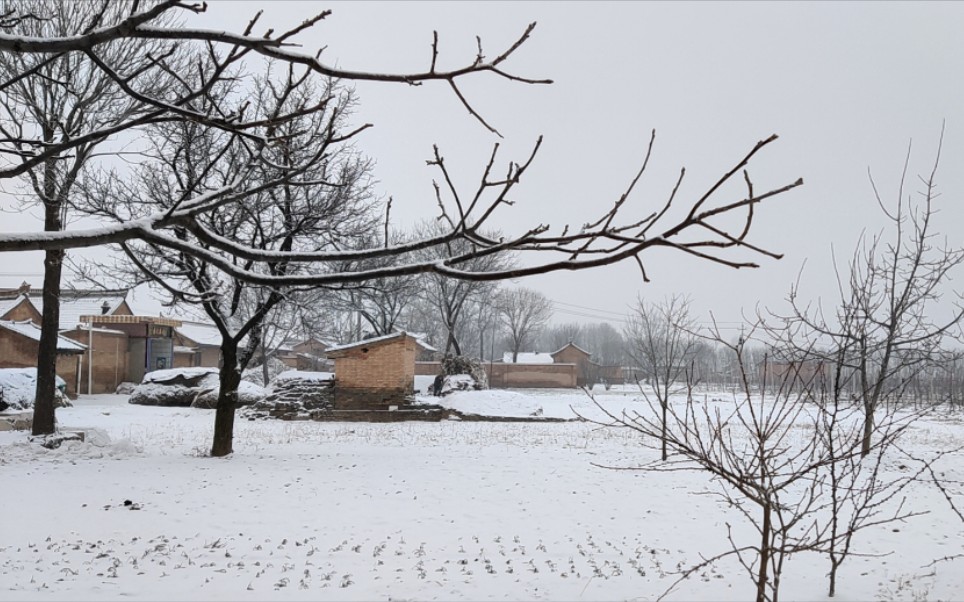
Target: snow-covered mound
195 387
19 386
289 375
255 374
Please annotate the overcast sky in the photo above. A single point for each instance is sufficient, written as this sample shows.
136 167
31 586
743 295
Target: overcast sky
846 86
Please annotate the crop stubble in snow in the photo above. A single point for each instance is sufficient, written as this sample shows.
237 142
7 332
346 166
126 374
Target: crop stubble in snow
453 510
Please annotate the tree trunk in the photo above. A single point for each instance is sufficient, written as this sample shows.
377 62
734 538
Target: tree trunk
866 439
665 405
227 401
44 421
761 581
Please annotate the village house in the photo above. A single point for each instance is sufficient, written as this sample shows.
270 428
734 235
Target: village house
115 345
18 349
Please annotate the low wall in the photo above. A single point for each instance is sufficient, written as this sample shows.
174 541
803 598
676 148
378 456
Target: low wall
518 376
364 398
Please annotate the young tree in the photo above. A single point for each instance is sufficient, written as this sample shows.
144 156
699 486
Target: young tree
661 341
523 312
884 329
785 459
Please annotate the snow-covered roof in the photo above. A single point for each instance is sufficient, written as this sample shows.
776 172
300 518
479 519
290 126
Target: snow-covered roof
424 344
528 358
372 341
86 327
8 304
570 344
74 304
32 331
303 375
201 333
183 349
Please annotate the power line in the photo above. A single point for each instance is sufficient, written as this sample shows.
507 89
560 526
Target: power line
596 313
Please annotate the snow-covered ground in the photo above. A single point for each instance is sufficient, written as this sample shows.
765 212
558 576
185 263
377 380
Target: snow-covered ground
426 511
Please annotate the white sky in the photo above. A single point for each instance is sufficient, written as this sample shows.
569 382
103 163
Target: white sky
846 86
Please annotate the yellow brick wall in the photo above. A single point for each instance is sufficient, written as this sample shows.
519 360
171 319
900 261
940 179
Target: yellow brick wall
388 365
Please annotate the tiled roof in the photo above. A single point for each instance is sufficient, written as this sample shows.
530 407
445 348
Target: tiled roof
201 333
32 331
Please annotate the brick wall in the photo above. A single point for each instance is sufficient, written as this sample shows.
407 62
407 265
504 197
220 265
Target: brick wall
20 352
22 311
110 359
388 365
522 376
532 376
17 351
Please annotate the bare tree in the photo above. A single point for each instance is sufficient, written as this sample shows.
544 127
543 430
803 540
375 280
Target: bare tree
556 336
523 312
381 302
462 250
327 206
64 98
449 299
785 460
77 74
883 329
661 342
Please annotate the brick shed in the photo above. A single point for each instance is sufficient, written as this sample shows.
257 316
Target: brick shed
375 373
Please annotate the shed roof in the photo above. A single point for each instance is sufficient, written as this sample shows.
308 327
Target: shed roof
340 350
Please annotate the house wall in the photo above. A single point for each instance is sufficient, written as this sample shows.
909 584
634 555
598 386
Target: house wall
22 311
110 359
67 370
20 352
310 347
17 351
210 357
570 355
586 371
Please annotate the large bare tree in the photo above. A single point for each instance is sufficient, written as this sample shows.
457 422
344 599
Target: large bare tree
524 312
327 206
661 340
698 226
64 98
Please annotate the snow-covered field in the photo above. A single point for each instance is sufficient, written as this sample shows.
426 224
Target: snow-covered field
426 511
